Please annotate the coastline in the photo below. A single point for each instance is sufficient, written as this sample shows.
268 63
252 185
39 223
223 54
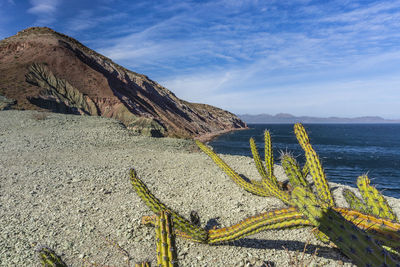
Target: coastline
206 138
65 184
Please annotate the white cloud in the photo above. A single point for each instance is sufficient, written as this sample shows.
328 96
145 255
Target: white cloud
270 60
87 19
45 10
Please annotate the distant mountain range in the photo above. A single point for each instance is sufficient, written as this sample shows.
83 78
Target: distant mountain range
288 118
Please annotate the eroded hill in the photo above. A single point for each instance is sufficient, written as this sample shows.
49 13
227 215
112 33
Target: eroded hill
44 70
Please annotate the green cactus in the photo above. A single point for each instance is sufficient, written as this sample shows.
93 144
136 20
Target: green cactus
257 160
351 240
374 200
269 157
254 186
353 201
293 172
314 166
195 233
165 237
362 237
385 231
265 188
142 264
48 258
305 170
287 218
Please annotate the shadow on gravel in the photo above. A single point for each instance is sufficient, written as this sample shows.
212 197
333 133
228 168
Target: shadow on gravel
296 246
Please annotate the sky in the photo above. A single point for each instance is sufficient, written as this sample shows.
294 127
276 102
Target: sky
315 58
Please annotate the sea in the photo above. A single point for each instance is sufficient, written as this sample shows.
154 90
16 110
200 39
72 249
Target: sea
346 150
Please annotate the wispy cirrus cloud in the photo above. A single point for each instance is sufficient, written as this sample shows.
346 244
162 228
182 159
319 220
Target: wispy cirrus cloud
210 51
88 19
45 10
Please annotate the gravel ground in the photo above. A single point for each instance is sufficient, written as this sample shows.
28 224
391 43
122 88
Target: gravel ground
64 183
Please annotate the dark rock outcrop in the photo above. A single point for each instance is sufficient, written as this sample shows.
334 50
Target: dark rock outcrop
43 69
6 103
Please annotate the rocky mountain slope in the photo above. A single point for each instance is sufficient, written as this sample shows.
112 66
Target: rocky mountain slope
41 69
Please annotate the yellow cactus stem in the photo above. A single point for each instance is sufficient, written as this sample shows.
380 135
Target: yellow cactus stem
292 170
275 191
314 165
142 264
305 170
321 236
269 157
374 200
196 233
301 134
166 250
286 218
254 187
257 160
354 202
48 258
151 221
384 230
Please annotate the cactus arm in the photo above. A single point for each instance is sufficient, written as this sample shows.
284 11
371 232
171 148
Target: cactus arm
269 157
142 264
151 221
254 187
318 176
277 192
48 258
383 230
314 166
301 135
353 201
166 250
352 241
376 203
195 232
305 170
257 160
293 172
278 219
286 218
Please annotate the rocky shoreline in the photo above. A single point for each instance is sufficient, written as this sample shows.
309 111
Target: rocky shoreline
64 184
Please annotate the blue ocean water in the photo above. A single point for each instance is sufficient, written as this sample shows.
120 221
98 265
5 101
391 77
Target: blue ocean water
346 150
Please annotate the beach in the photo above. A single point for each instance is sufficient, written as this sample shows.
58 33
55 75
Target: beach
64 183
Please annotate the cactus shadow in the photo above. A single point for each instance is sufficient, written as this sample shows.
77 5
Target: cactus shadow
244 177
290 245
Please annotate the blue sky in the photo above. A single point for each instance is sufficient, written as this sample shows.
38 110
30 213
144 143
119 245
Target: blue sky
318 58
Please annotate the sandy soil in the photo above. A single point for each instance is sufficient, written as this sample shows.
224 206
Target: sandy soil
64 183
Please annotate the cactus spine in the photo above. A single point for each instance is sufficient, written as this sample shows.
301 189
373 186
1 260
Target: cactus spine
352 241
165 237
48 258
196 233
374 200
